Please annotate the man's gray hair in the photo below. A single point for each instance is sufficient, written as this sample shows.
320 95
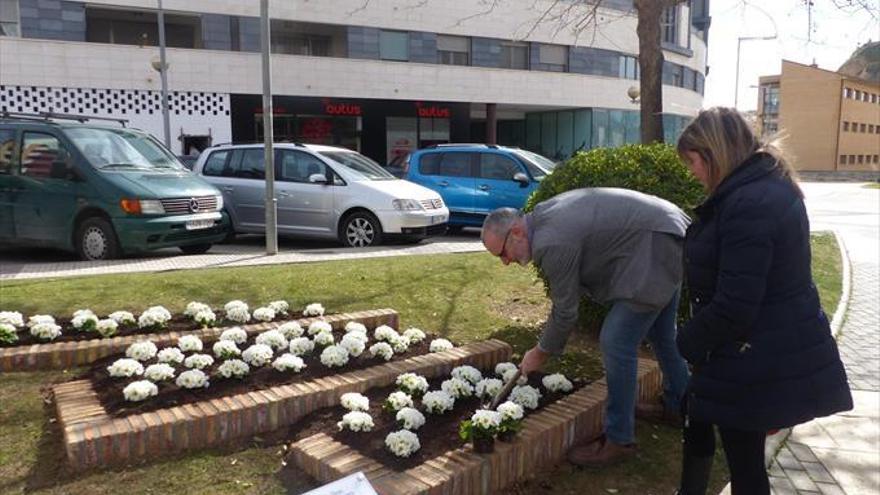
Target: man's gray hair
500 221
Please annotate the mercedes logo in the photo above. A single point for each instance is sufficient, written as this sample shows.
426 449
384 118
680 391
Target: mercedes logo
193 205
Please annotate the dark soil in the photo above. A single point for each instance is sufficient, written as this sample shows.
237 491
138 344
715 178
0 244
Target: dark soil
437 436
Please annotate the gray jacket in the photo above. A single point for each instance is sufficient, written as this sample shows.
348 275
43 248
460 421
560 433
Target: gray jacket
609 245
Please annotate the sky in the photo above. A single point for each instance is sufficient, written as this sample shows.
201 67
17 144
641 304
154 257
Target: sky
833 36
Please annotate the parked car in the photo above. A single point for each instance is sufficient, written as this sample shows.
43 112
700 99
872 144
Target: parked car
100 191
322 192
187 160
475 179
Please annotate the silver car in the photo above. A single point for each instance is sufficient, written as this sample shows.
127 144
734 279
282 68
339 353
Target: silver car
322 192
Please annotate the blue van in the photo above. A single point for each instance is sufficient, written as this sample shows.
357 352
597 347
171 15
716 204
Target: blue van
475 179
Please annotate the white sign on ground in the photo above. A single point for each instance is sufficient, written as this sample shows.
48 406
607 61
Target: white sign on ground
353 484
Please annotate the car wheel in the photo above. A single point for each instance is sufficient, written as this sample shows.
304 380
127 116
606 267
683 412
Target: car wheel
96 240
195 248
360 229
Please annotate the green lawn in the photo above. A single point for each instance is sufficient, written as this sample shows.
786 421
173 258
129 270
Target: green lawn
464 297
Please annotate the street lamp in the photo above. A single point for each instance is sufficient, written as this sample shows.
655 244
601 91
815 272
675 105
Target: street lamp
161 65
738 44
634 93
268 154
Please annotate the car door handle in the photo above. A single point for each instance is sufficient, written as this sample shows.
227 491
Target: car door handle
483 187
228 188
283 194
443 183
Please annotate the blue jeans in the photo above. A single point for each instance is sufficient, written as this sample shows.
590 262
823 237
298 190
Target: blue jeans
622 332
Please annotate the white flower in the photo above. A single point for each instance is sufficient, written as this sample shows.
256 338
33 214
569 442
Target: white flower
280 307
8 333
467 373
45 331
502 368
409 418
438 402
12 318
142 351
356 421
355 326
238 314
323 339
264 314
154 317
557 383
397 401
526 396
440 345
288 362
273 338
84 320
205 318
353 343
225 349
488 388
125 368
192 379
457 388
234 334
414 335
508 375
140 390
412 383
354 401
510 411
319 326
314 309
170 355
194 308
198 361
233 368
123 318
37 319
402 443
384 332
189 343
159 372
399 343
485 419
106 327
291 330
301 346
257 355
383 350
333 356
235 304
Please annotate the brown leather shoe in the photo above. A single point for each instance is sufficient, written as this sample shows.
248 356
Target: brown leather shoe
657 412
600 453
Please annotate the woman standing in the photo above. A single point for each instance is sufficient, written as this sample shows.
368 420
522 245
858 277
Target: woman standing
760 345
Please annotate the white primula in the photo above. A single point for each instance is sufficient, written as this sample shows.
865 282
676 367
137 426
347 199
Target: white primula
257 355
502 368
198 361
457 388
384 333
291 330
440 345
142 351
438 402
225 349
170 355
510 411
159 372
273 338
280 307
414 335
123 318
314 309
509 374
353 343
301 346
8 333
468 373
37 319
234 334
289 362
334 356
488 388
13 318
324 339
154 317
192 379
140 390
356 327
194 308
84 320
410 419
45 331
354 401
238 314
205 318
397 401
557 383
356 421
190 343
233 368
412 383
125 368
485 419
399 343
319 326
403 443
383 350
235 304
264 314
106 327
526 396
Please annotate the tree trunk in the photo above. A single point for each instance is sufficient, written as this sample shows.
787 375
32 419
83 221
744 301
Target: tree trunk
650 68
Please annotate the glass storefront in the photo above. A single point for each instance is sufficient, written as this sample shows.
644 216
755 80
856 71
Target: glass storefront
314 129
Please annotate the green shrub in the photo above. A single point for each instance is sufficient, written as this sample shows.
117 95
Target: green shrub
652 169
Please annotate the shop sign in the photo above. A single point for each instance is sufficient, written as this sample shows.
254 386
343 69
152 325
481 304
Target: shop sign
433 111
331 108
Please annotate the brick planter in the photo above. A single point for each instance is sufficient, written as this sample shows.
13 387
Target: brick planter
543 442
61 355
93 438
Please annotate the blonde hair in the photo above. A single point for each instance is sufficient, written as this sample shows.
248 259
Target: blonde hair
724 140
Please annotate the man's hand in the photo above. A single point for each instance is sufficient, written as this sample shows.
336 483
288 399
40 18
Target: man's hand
533 360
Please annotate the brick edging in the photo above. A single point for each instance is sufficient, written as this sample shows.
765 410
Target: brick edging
62 355
543 441
92 438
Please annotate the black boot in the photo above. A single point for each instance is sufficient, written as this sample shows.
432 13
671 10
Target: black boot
695 473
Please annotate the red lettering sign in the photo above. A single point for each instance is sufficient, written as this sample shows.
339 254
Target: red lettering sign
433 111
331 108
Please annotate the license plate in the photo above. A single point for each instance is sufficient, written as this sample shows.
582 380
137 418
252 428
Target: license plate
199 224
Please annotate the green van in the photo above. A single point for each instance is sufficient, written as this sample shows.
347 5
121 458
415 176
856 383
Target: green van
100 191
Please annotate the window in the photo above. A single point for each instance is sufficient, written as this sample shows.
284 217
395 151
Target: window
38 152
456 164
870 128
248 163
852 159
873 98
302 44
669 25
847 93
842 159
429 164
215 165
846 127
9 22
858 95
296 166
136 27
497 167
863 127
865 96
771 102
553 58
7 151
453 50
394 45
514 55
876 158
629 68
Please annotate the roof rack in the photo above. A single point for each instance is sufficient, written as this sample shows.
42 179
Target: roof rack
234 143
461 145
46 116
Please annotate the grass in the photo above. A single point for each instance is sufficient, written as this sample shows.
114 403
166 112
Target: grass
464 297
872 185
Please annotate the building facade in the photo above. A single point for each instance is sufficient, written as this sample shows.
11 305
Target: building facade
382 77
828 121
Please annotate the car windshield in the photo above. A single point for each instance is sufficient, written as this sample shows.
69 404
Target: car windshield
121 148
539 166
359 164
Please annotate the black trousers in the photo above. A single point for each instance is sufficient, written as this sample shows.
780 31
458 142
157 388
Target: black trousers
744 451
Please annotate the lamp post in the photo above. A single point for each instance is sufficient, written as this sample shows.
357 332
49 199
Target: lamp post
738 45
163 72
271 202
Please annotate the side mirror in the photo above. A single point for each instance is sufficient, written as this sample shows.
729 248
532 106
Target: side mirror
318 179
522 178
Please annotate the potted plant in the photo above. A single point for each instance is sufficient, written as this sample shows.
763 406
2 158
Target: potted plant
511 420
481 430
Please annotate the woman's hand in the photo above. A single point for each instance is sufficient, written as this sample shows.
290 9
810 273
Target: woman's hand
533 360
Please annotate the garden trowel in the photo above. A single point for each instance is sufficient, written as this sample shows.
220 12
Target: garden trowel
505 391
